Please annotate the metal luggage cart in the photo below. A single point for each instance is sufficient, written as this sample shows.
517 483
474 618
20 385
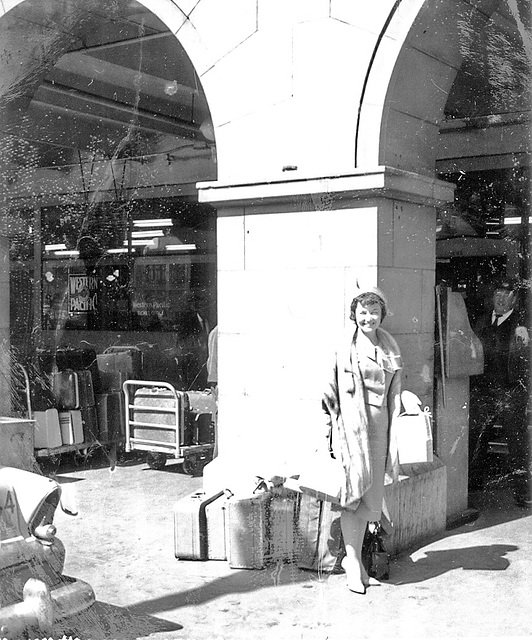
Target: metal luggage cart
157 422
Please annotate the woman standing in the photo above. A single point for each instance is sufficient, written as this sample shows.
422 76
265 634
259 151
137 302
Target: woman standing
361 401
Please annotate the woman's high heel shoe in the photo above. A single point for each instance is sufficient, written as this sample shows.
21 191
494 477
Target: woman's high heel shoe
354 580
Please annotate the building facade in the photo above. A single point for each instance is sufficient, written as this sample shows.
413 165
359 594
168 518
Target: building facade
294 150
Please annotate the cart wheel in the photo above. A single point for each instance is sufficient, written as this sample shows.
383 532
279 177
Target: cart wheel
193 465
156 460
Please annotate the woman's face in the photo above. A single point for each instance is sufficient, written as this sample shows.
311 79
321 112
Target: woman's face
368 317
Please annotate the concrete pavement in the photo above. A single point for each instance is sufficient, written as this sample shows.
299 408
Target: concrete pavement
474 581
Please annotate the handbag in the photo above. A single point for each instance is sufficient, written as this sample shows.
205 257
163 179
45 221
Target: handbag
414 432
375 558
323 477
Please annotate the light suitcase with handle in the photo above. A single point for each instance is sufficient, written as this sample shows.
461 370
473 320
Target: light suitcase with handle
190 526
216 512
47 429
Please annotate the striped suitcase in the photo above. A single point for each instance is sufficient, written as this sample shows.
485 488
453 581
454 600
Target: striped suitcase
247 537
190 526
282 524
71 427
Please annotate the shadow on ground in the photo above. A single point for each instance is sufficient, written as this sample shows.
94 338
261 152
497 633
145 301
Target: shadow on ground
104 621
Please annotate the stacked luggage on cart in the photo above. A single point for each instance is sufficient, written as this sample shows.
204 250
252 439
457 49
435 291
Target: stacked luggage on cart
75 397
270 525
58 391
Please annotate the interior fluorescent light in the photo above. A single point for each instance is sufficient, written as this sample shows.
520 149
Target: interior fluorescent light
122 250
139 242
66 253
154 222
55 247
516 220
147 234
181 247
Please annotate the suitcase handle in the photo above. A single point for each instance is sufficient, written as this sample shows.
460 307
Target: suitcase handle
118 348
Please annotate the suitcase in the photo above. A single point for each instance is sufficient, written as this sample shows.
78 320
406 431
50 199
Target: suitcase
111 416
85 389
216 512
41 392
282 525
65 386
45 361
126 359
246 534
47 429
190 526
79 359
318 535
200 416
112 380
89 419
71 427
158 406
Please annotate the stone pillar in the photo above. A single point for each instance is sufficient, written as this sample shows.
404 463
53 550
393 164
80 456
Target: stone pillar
290 255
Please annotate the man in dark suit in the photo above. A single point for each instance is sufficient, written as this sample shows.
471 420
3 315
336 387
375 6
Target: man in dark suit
500 395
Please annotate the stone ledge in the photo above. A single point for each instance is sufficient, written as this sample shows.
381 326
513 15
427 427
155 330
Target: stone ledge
417 505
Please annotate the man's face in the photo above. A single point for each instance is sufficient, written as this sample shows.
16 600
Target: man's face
503 301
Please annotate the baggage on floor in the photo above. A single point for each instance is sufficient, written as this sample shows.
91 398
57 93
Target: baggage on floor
65 385
190 526
71 427
282 524
200 416
247 536
111 416
47 429
319 535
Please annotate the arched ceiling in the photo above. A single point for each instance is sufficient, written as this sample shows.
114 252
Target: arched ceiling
96 77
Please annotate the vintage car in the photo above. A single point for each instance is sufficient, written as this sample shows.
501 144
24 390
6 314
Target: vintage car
34 593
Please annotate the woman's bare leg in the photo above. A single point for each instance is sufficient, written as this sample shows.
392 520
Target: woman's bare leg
353 530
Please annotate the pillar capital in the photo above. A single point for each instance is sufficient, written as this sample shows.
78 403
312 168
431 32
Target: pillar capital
385 182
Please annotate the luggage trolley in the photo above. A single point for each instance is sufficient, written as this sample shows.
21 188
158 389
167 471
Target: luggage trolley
159 421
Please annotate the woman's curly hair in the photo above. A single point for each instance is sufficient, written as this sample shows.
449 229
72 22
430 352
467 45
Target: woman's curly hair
366 298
